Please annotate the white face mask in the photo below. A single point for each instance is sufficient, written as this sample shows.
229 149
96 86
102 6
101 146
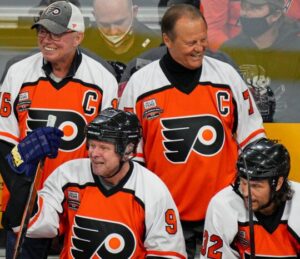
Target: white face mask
116 40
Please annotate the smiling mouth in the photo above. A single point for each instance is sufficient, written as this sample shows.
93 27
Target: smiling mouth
49 49
197 55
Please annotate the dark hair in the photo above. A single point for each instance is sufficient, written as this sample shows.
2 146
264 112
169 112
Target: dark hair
267 159
284 194
174 13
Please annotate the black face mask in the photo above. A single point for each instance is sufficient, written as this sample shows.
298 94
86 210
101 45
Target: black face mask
254 27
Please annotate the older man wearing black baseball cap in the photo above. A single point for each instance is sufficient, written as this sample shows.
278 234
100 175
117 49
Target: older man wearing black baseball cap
60 17
61 79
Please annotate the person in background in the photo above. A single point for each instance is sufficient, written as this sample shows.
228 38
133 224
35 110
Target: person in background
292 9
59 80
195 112
222 18
271 229
118 36
267 52
107 205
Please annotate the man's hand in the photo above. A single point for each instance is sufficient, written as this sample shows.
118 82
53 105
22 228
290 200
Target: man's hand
41 143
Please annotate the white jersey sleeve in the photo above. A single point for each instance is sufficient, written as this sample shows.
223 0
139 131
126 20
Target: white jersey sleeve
249 121
9 91
164 232
220 227
46 221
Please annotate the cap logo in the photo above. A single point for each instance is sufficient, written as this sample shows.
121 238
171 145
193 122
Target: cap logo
53 10
56 11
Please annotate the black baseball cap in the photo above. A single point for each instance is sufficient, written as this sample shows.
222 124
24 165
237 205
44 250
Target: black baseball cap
60 17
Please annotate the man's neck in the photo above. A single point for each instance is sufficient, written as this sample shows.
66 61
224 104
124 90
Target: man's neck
62 67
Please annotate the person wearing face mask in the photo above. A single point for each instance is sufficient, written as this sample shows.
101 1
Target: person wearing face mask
117 35
267 52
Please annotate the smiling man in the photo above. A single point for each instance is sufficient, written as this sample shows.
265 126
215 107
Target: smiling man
194 109
108 205
58 80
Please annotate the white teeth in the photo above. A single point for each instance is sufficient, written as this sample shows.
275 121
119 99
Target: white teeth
48 48
196 55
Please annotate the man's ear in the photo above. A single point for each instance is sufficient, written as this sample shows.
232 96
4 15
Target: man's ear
166 39
79 38
279 183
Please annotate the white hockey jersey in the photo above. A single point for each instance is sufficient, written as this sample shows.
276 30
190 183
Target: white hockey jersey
135 219
226 233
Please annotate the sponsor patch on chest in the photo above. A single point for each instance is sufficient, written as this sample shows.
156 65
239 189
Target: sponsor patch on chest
151 109
24 102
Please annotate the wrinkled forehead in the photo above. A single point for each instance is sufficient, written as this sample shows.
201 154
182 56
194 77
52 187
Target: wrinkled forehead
186 27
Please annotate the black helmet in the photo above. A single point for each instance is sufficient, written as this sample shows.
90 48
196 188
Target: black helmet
116 126
264 159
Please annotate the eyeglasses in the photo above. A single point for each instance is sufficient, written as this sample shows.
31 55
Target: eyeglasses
42 33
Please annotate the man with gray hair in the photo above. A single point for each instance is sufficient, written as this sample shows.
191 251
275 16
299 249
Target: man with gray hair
59 80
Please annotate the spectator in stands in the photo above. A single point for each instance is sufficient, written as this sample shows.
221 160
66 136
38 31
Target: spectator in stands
222 17
292 9
118 35
267 52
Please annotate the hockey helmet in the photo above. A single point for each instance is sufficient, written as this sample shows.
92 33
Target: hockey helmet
264 159
115 126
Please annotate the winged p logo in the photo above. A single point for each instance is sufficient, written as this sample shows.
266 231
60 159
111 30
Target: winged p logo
203 134
70 122
105 239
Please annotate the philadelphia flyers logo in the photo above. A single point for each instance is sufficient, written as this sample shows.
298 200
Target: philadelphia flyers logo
203 134
106 239
69 121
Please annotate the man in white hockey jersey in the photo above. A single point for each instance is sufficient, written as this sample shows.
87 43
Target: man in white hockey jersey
107 205
271 229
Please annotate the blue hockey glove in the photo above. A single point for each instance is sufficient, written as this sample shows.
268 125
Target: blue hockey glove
41 143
